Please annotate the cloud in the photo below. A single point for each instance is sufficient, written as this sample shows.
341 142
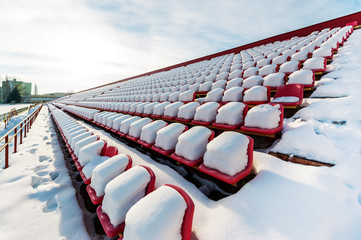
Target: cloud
74 45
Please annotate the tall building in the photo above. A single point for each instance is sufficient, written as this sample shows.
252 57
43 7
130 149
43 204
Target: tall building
9 84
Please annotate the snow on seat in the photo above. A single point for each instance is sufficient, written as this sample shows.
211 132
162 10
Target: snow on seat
149 132
304 77
104 173
268 69
263 62
121 194
257 95
173 97
289 95
118 121
206 113
215 95
81 143
140 108
234 83
325 51
187 96
79 138
316 64
164 97
289 67
167 138
136 128
125 125
148 109
252 81
191 145
205 87
234 94
222 76
110 120
231 115
166 213
274 80
89 151
229 157
235 74
248 65
250 72
279 60
300 56
219 84
264 119
187 111
171 111
158 109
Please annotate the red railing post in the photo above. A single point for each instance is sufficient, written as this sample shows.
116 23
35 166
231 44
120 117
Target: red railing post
15 140
25 130
7 151
21 133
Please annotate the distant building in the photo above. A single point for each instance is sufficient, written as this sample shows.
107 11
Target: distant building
44 97
8 84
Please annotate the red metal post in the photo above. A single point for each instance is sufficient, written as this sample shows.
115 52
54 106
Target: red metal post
25 130
15 140
21 133
7 151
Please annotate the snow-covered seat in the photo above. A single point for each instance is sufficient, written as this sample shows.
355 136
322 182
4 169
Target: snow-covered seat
289 95
167 138
234 94
117 122
229 157
274 80
289 67
248 65
222 76
206 113
187 96
161 210
215 95
187 111
110 120
263 62
195 87
191 145
78 138
257 95
173 97
81 143
235 74
149 132
171 111
158 109
264 119
104 173
140 108
304 77
219 84
301 56
205 87
148 109
252 81
250 72
136 128
164 97
125 125
279 60
121 193
231 115
325 51
268 69
316 64
234 83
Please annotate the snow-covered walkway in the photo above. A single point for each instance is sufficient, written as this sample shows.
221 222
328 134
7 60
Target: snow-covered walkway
37 199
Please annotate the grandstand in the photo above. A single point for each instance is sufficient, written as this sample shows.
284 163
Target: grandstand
208 119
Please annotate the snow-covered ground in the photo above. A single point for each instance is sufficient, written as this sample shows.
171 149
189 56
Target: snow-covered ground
5 108
284 201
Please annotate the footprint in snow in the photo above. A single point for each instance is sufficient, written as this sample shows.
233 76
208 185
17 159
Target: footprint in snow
50 206
36 181
43 158
54 175
42 173
45 138
32 151
39 168
34 145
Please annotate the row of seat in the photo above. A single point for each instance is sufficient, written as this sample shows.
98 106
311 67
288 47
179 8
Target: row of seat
122 190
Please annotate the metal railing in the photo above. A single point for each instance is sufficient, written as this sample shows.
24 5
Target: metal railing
22 128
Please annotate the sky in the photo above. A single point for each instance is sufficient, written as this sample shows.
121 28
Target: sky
73 45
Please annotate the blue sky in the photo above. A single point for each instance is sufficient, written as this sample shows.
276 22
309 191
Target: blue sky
64 45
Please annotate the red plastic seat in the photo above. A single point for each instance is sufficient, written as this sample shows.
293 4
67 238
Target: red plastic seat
166 152
267 131
290 90
91 192
111 231
237 177
230 127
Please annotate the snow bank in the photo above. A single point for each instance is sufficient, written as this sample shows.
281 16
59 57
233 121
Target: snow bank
159 215
231 113
123 192
227 153
206 112
167 137
149 131
263 116
107 171
192 143
255 94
